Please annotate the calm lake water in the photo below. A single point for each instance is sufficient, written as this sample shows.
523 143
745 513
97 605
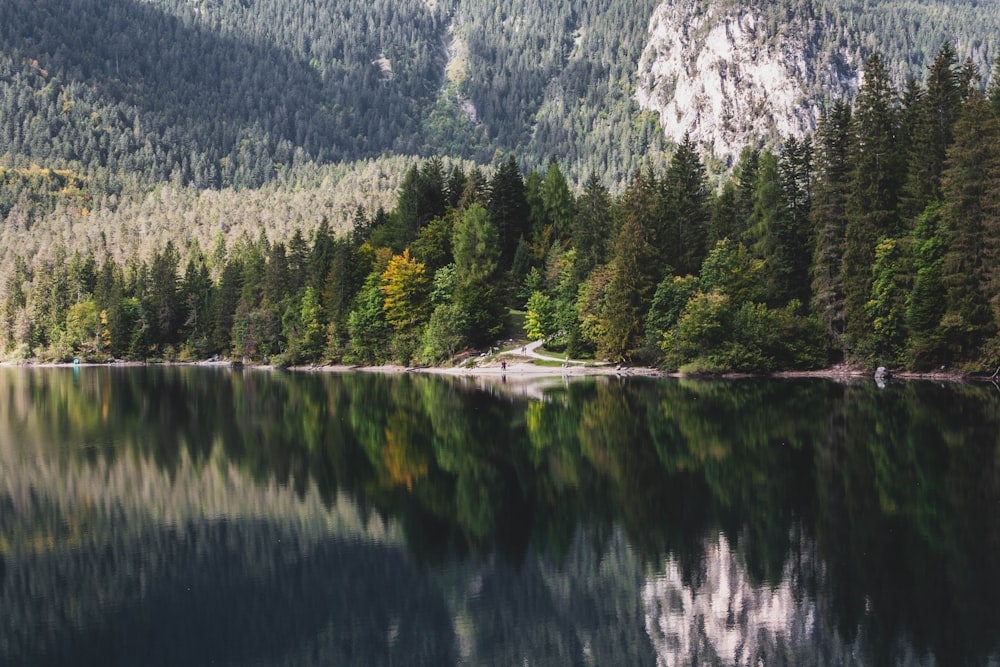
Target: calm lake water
192 516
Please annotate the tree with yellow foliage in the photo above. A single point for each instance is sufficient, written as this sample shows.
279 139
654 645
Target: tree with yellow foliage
406 288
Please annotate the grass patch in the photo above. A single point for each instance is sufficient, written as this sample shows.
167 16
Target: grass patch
546 363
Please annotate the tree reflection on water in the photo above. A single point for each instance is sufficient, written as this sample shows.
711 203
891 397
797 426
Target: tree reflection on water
595 521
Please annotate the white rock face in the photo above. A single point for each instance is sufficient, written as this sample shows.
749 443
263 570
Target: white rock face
725 619
717 75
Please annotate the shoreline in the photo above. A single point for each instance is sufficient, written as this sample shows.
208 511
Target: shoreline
522 368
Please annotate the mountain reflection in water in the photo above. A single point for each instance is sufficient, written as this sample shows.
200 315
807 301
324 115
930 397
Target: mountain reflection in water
202 516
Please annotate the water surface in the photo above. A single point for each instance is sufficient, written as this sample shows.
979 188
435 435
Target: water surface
192 516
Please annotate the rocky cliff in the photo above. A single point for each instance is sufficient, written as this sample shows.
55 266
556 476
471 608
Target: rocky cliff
731 75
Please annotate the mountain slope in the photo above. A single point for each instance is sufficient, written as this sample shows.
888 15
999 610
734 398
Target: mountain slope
224 93
732 74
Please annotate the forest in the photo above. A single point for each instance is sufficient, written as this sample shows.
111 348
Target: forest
872 242
235 93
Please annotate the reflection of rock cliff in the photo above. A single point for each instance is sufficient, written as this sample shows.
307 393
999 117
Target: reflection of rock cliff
729 75
725 618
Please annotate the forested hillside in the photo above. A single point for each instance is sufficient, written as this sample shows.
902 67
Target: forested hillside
176 182
872 242
228 93
224 93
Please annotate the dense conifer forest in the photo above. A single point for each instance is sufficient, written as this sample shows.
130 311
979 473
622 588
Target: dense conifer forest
873 241
233 93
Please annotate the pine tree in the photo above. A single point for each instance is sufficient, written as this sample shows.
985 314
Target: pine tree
478 295
780 240
195 297
829 219
872 198
725 213
993 92
936 113
348 270
685 210
628 294
745 180
224 305
163 299
795 242
971 221
558 201
591 227
926 303
455 187
320 256
508 208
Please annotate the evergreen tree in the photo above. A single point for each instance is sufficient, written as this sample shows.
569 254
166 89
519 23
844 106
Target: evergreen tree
508 208
793 242
971 218
829 219
686 212
421 199
320 257
455 187
195 297
872 197
926 303
937 112
745 181
277 279
557 201
478 296
348 270
626 300
163 299
227 298
369 332
724 222
993 93
591 227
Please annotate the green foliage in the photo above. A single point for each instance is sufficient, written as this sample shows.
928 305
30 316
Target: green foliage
683 227
303 329
714 336
292 280
872 197
540 318
926 303
626 298
369 331
477 292
445 334
828 217
671 297
699 332
733 271
508 209
972 221
887 306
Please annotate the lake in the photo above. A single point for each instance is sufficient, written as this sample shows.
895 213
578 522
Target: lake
201 516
